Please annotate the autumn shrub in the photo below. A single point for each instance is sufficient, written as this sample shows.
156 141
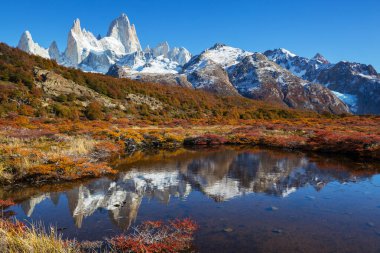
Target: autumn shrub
94 111
176 236
61 110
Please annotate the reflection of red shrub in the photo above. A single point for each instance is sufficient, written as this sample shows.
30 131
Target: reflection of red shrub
176 236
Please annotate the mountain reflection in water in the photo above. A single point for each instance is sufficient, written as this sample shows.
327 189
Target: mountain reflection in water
220 175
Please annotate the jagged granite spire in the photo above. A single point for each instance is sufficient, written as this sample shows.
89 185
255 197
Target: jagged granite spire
73 51
161 49
54 51
122 30
27 44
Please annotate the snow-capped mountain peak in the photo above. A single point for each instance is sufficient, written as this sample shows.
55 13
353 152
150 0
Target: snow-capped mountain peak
180 55
27 44
161 49
279 54
224 55
287 52
122 30
80 44
321 58
217 46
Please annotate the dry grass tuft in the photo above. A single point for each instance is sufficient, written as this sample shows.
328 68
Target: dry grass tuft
17 238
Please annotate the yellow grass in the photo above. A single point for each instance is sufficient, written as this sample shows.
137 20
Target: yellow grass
33 239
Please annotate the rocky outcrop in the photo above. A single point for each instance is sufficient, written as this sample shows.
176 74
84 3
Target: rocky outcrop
55 85
165 79
139 99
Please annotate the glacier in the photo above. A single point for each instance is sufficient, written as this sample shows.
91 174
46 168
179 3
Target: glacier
348 99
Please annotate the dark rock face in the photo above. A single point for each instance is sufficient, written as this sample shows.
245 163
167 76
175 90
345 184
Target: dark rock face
359 82
212 77
116 71
358 79
258 78
323 99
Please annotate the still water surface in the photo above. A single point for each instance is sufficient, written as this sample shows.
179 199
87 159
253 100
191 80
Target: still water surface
244 200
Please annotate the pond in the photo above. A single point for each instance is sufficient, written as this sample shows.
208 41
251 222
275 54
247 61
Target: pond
243 199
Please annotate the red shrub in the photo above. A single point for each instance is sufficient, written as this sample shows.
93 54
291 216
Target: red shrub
6 203
176 236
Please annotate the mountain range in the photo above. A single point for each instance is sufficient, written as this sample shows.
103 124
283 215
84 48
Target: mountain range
277 76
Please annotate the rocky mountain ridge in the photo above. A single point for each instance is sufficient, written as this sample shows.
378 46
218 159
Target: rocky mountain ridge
230 71
358 85
277 76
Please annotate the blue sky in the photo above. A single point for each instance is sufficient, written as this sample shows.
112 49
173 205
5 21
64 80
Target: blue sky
339 29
